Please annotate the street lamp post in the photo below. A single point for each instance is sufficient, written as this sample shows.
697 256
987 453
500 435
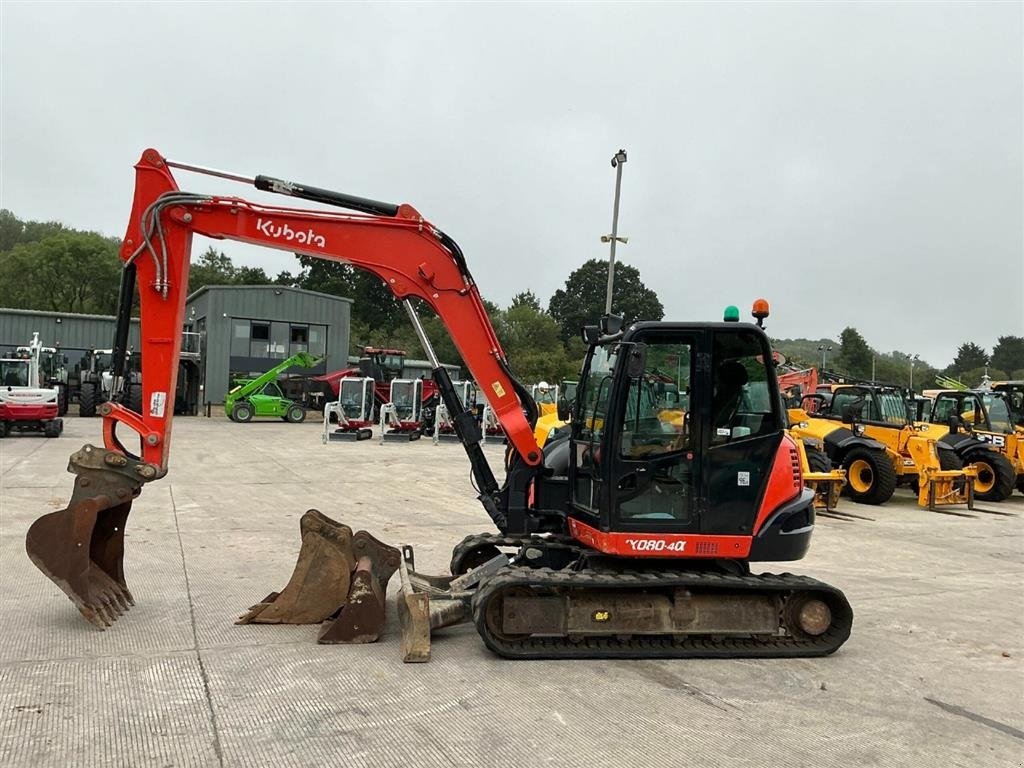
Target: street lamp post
824 349
618 160
913 360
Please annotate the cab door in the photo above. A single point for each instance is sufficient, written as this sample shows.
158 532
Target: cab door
655 461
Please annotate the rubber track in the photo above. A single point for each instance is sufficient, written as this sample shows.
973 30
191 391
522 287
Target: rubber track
663 646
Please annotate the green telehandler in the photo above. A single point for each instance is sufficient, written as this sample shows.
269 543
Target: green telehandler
263 397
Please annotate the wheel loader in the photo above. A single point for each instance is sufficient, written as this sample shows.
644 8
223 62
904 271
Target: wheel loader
632 537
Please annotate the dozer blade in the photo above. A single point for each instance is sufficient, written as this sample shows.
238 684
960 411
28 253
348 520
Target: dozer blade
81 548
426 602
319 585
361 618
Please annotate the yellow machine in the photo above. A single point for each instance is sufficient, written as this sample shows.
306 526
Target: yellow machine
993 418
879 445
549 420
826 482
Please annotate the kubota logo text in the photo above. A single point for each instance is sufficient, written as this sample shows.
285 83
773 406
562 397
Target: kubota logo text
284 232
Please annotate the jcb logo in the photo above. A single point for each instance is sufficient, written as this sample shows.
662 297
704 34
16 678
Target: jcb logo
999 441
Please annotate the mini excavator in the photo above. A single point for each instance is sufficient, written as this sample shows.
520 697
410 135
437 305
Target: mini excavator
631 537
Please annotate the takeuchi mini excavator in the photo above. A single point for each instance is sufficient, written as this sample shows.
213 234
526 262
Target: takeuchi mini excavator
631 537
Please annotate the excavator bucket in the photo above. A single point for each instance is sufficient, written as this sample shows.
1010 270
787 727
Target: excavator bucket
319 584
361 618
340 579
81 548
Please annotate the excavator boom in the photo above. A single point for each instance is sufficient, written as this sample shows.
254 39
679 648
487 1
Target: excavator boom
80 548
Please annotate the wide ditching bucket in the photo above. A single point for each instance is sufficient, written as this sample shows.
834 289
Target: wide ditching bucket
81 548
340 579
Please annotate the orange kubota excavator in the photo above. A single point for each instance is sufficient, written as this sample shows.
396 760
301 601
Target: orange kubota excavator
630 537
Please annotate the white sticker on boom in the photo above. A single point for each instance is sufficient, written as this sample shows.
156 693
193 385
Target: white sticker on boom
157 404
742 478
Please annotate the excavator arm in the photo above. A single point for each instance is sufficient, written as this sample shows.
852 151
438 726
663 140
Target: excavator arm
81 547
411 256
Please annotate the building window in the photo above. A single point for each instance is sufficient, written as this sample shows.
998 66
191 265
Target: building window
260 340
240 338
317 340
299 339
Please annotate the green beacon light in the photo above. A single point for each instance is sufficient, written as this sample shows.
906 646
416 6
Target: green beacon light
732 314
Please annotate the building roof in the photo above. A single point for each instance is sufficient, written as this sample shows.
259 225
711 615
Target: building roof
278 289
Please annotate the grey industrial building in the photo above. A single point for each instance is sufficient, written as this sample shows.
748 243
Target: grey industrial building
230 331
248 329
234 330
74 334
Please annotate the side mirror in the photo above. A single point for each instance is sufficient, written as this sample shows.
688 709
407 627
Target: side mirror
954 424
610 324
849 414
564 409
590 334
636 362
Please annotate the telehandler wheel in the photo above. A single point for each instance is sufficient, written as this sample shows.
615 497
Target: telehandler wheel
87 399
296 414
870 477
818 461
242 412
995 475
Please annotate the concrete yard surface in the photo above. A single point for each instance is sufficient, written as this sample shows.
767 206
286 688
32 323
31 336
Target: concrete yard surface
932 675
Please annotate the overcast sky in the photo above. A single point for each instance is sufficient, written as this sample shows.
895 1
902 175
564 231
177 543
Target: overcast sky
856 164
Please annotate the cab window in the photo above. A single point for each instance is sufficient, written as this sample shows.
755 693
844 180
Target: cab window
655 419
741 404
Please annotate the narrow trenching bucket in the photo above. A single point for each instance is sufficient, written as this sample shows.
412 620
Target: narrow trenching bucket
361 618
81 548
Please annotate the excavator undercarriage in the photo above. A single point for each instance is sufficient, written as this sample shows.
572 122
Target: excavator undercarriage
592 609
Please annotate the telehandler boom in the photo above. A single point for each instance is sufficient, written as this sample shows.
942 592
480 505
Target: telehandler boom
631 537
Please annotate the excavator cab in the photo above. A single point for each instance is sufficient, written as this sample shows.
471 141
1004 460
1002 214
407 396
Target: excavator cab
707 470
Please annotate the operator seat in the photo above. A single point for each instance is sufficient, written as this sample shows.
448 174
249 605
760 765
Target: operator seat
730 378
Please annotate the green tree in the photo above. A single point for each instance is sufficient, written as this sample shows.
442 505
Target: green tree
374 305
974 376
215 267
1008 353
14 231
968 357
64 271
532 342
583 298
527 299
855 355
